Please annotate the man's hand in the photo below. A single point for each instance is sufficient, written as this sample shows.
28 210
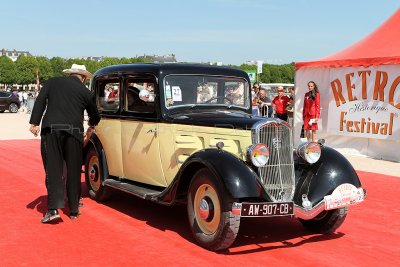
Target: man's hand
89 132
35 129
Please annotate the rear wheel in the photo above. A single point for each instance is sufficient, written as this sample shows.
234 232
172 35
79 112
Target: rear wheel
13 108
326 222
210 212
94 177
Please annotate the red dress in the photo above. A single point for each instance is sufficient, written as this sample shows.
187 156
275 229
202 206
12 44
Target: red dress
311 110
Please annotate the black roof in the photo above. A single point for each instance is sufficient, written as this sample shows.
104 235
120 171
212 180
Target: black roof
167 68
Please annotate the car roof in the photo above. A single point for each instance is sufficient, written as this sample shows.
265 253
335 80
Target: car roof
169 68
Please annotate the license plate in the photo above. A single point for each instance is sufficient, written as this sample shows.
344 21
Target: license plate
267 209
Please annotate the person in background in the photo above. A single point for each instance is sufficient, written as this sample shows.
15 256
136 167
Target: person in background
280 103
264 104
64 99
21 99
311 111
290 106
254 99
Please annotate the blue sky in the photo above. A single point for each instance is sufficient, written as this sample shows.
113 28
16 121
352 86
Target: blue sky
228 31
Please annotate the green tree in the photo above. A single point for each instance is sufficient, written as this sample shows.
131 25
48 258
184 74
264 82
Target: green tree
92 65
109 61
8 71
57 65
45 69
26 69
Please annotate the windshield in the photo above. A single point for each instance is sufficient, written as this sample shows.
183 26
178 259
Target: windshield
200 90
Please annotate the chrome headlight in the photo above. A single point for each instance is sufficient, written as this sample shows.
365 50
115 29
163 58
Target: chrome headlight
309 151
258 154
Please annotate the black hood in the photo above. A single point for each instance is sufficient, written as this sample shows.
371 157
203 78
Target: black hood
217 118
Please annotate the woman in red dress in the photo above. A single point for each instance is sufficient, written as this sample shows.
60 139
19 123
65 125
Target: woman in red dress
311 111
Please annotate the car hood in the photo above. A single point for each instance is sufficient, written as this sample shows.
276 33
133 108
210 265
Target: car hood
217 118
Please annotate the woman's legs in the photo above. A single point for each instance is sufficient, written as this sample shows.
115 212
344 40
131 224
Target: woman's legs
308 135
314 135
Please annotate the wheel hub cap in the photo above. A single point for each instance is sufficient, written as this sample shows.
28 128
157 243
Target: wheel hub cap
204 209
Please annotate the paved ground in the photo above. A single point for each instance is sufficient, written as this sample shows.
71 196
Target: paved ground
16 126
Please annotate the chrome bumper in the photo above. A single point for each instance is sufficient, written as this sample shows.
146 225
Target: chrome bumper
344 195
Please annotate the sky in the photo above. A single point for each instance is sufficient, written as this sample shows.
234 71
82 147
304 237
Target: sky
227 31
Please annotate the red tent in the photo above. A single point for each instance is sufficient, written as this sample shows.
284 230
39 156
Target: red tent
380 47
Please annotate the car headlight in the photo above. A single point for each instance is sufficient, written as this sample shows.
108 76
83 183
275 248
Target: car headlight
258 154
309 151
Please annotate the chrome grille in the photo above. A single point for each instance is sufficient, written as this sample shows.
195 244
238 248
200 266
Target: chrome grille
278 175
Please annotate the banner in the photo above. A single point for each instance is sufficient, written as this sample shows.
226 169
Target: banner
259 66
365 102
252 75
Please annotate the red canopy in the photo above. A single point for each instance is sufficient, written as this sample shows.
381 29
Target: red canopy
380 47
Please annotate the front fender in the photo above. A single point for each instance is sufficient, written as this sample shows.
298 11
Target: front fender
237 177
94 142
320 179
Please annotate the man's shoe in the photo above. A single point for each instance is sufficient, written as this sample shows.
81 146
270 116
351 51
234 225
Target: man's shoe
74 215
50 216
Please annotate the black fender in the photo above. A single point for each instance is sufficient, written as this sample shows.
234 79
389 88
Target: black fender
94 142
235 175
320 179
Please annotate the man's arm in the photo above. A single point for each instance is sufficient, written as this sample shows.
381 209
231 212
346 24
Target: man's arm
40 105
92 111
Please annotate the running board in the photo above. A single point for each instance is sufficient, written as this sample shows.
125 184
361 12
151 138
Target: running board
133 189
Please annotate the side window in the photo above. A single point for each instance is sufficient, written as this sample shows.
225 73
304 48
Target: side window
140 95
107 94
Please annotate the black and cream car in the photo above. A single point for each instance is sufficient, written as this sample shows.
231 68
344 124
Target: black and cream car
185 133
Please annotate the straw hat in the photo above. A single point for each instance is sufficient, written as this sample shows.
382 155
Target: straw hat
78 69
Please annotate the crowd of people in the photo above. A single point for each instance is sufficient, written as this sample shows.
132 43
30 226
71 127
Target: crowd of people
282 106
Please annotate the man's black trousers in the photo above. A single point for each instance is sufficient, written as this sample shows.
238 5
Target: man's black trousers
57 147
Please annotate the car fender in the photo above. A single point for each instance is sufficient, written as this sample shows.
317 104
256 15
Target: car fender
235 175
94 142
320 179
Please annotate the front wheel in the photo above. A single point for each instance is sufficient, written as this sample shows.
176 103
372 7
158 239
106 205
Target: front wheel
94 176
13 108
326 222
210 212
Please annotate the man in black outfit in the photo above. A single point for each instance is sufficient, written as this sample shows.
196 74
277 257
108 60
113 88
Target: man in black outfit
65 99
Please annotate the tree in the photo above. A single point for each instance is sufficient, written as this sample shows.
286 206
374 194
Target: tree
8 71
26 69
109 61
57 65
92 66
44 68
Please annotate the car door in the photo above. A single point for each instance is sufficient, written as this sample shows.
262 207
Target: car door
139 132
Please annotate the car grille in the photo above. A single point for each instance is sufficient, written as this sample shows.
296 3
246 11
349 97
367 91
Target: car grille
277 176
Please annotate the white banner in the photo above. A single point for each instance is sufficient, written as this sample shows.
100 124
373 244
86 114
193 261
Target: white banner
365 102
259 66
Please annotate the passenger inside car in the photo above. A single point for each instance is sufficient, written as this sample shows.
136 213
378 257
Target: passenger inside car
134 103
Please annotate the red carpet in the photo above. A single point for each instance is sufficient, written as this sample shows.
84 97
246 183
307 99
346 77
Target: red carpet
127 231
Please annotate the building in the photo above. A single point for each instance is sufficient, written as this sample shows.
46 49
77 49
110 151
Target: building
13 54
160 59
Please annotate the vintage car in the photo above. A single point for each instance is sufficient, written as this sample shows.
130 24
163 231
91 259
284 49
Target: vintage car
185 133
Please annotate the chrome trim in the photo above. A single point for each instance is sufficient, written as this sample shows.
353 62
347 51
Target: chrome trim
308 214
277 176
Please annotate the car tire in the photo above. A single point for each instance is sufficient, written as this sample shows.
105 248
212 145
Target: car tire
210 212
13 108
94 177
326 222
